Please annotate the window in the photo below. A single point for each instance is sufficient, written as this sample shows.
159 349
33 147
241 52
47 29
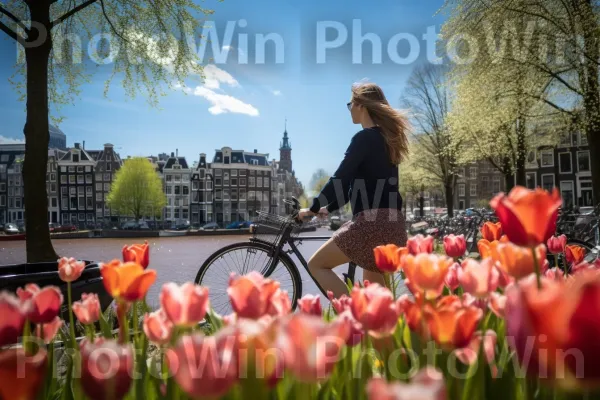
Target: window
472 172
567 193
4 158
63 179
186 190
234 172
266 182
72 169
11 191
218 172
177 189
209 185
547 157
242 181
107 187
75 157
81 201
473 190
108 166
234 194
107 177
64 203
72 179
565 141
583 139
252 182
186 201
88 168
564 163
242 194
53 187
88 178
168 189
88 190
73 202
242 172
52 177
169 178
11 202
548 182
81 190
461 189
73 191
80 170
195 185
496 184
53 202
2 201
98 177
531 180
226 194
209 197
177 178
234 182
583 161
258 181
2 187
98 196
485 183
80 179
251 195
218 182
64 191
252 172
226 179
98 187
218 194
89 202
81 216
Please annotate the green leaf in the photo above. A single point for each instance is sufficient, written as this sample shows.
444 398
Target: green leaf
105 327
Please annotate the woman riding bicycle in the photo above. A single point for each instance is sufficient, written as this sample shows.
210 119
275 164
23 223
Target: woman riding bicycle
368 178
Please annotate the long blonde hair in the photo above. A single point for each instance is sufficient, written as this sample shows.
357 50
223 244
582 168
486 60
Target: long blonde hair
393 123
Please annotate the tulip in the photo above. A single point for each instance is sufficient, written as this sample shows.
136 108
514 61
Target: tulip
310 304
556 244
555 274
341 304
127 282
204 366
413 312
374 307
452 327
184 305
157 327
574 254
467 300
583 266
427 384
504 278
87 310
311 347
354 327
13 314
528 217
497 303
106 369
451 279
251 294
137 253
518 261
22 374
280 304
44 304
455 246
47 332
478 278
426 273
420 244
388 258
69 269
468 355
491 231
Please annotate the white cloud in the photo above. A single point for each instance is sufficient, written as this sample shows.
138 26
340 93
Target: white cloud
223 103
276 92
214 76
7 140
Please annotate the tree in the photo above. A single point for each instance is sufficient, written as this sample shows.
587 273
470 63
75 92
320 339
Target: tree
558 40
413 178
143 61
318 180
427 97
137 190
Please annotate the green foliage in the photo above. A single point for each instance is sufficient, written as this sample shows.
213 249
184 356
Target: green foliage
137 190
318 180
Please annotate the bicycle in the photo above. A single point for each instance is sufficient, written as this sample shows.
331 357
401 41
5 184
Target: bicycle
270 235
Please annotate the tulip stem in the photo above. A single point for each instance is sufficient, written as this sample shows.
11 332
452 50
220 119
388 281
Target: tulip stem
536 264
565 266
71 320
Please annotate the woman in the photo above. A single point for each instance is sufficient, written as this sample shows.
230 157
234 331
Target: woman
368 178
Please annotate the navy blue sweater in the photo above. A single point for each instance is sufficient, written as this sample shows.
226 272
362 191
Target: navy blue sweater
366 177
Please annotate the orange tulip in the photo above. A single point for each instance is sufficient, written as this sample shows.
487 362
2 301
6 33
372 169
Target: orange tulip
137 253
251 294
491 231
310 304
389 257
452 327
556 244
13 314
374 307
478 278
69 269
48 331
528 217
106 369
455 246
22 374
43 304
427 384
127 282
518 261
87 310
420 244
184 305
426 273
157 327
574 254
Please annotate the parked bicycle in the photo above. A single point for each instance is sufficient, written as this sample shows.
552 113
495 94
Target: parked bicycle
264 253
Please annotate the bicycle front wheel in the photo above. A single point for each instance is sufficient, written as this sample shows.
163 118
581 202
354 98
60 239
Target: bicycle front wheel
241 259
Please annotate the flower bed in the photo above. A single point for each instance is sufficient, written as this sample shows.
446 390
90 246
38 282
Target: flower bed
504 326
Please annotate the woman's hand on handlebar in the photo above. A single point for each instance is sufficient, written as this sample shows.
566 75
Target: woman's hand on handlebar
305 214
323 213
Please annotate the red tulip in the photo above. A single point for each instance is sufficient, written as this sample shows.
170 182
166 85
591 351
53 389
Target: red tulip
491 231
106 369
451 279
574 254
69 269
455 246
426 273
137 253
528 217
478 278
427 384
205 366
13 318
157 327
184 305
22 375
341 304
388 258
374 307
44 304
556 244
87 310
49 330
310 304
420 244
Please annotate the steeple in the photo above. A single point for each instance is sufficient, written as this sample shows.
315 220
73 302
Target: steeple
285 152
285 144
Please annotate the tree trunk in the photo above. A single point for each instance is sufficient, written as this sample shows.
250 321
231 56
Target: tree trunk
521 177
449 189
38 243
509 181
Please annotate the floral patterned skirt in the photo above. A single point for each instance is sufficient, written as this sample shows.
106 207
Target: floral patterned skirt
371 228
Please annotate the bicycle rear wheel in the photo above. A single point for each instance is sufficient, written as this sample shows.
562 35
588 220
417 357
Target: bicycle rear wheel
241 259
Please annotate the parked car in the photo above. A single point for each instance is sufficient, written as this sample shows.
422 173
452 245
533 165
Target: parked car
11 229
133 225
210 226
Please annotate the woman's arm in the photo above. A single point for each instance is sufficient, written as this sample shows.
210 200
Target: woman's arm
335 192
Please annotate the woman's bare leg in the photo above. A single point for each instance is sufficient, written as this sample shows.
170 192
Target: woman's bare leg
373 277
321 266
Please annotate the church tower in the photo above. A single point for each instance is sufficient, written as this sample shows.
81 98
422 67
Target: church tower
285 152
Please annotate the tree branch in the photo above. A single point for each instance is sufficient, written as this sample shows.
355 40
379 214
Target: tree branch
110 22
14 35
14 18
71 12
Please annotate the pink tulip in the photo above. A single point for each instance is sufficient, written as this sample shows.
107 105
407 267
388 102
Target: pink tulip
106 369
427 384
557 244
355 328
184 305
342 303
468 355
44 304
49 330
69 269
251 294
310 304
87 310
13 314
157 327
478 278
205 366
311 346
497 303
504 279
555 274
420 244
455 246
374 307
467 299
451 279
280 304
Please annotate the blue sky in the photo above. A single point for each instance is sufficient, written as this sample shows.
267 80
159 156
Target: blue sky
244 106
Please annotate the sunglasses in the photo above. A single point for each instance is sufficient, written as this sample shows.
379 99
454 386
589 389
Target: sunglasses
349 105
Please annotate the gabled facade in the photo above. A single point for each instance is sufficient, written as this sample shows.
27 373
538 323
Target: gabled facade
202 193
12 202
176 176
108 163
